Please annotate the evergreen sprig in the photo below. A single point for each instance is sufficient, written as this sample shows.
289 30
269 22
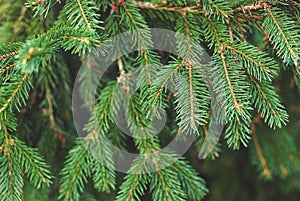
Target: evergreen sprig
283 32
241 77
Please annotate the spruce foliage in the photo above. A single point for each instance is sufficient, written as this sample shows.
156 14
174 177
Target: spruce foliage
42 43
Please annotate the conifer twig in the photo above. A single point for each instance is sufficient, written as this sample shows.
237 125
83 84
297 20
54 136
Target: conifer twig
236 104
282 33
7 151
88 24
143 46
7 68
14 93
9 54
166 80
265 69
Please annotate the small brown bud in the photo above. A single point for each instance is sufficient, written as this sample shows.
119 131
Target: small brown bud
114 7
24 61
31 51
85 40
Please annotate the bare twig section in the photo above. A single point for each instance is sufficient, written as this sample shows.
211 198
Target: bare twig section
252 16
254 6
148 5
57 131
35 3
121 67
83 40
261 158
262 5
14 93
122 79
9 54
241 33
230 33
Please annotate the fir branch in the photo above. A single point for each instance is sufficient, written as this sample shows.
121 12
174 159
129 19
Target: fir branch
167 78
75 172
215 33
193 185
232 92
80 40
156 95
190 113
82 13
276 21
7 151
297 5
103 177
191 96
15 92
236 104
102 164
7 56
134 185
218 9
10 170
266 101
139 124
136 23
241 33
34 165
251 58
81 163
88 24
165 186
41 6
104 109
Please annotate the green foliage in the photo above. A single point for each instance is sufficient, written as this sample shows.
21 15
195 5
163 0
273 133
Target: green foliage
284 34
46 41
75 172
16 157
